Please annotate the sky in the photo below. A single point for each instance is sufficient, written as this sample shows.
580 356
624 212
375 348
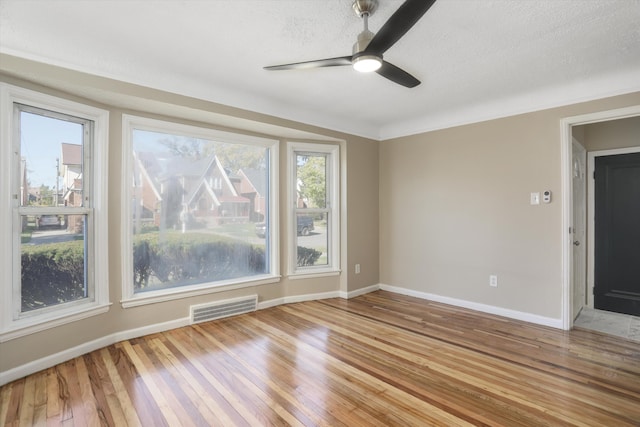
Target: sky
40 139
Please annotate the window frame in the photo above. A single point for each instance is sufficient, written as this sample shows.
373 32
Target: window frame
14 323
332 154
132 299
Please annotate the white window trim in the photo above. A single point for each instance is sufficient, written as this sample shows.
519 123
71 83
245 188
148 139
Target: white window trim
129 297
333 267
11 328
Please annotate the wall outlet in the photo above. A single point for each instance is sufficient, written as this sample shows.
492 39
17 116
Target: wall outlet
493 281
357 268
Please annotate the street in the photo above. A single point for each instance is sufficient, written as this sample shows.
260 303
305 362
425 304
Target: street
41 237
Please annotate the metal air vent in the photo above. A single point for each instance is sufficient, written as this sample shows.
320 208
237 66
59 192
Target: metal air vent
226 308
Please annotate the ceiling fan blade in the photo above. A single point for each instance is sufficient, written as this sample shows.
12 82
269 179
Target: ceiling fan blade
397 26
319 63
397 75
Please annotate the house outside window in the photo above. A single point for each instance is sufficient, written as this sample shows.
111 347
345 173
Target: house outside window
53 168
192 223
314 216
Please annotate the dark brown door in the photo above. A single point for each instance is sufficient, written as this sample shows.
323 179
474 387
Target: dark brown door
617 233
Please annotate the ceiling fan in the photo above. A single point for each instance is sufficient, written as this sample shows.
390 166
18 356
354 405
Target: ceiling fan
368 50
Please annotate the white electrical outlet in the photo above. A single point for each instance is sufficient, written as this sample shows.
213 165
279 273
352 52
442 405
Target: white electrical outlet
357 268
493 281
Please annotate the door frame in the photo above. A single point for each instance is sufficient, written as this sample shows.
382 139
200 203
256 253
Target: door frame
582 237
566 165
591 204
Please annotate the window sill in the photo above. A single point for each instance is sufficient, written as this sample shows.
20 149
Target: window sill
313 274
154 297
28 326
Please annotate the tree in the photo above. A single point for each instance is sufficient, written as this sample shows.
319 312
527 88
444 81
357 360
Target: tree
232 156
312 180
171 203
46 196
181 146
239 156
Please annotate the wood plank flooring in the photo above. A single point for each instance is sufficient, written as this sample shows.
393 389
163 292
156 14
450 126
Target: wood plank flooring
381 359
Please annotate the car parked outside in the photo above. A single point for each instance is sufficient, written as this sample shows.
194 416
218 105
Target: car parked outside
305 227
48 221
261 229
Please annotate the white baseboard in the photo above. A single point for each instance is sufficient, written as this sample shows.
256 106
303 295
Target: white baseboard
65 355
318 296
297 298
499 311
358 292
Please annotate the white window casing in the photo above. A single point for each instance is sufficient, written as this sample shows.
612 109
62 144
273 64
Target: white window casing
133 297
13 322
331 208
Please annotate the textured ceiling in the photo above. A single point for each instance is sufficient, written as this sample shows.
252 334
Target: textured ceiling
477 59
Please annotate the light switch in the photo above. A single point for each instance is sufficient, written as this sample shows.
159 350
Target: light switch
535 198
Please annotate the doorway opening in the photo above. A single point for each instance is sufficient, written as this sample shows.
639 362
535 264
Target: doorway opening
572 302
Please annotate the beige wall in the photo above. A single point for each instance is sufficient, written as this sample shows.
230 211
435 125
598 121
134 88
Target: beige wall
362 178
622 133
359 195
454 208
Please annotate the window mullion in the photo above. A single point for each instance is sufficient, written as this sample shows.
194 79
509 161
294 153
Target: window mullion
60 210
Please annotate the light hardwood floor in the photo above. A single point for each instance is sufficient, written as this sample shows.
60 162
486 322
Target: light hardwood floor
381 359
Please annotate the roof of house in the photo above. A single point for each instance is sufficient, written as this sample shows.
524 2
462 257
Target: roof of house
257 178
159 168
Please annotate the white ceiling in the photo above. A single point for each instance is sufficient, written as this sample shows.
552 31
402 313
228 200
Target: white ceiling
477 59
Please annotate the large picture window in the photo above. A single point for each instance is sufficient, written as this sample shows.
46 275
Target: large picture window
314 201
56 206
200 209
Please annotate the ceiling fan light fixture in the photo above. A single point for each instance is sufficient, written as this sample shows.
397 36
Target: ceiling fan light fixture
369 48
366 63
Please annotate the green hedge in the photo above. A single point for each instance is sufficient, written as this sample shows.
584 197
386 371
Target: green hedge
52 274
179 258
307 256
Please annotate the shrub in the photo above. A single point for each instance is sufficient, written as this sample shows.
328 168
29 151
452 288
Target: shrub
179 258
52 274
307 256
